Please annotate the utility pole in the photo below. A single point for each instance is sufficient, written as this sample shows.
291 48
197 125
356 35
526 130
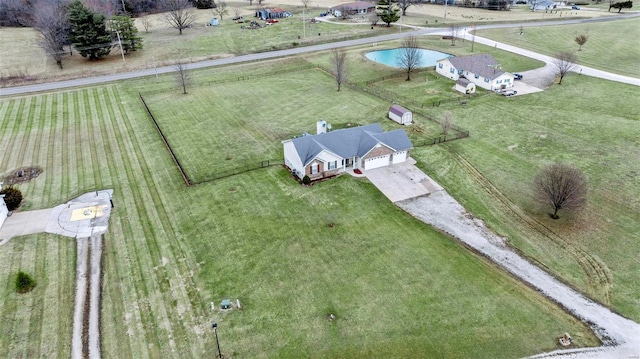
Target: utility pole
445 11
120 43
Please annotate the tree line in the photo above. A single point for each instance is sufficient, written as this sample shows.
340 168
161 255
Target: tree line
91 27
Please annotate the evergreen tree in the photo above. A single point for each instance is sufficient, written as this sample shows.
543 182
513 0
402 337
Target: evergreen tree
88 34
387 12
204 4
128 33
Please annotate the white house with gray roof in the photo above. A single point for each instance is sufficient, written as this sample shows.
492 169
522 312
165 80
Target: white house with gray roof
481 69
328 154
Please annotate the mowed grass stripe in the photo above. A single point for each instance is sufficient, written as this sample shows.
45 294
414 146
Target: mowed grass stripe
124 254
151 320
14 130
22 136
179 263
60 268
114 299
121 275
39 152
37 307
154 230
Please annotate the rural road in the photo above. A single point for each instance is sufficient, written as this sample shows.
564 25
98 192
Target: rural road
19 90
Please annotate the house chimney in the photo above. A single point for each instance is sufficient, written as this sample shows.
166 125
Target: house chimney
321 127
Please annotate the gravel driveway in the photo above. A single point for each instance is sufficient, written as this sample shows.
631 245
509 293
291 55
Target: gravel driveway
620 336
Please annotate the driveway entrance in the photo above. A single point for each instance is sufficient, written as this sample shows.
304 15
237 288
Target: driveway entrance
402 181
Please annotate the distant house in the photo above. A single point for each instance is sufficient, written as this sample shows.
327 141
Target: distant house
536 5
481 69
400 115
328 154
275 13
353 8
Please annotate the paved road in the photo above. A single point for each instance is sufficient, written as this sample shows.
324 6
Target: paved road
301 50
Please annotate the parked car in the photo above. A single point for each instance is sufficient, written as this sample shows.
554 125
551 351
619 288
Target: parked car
323 14
517 76
508 92
575 7
272 21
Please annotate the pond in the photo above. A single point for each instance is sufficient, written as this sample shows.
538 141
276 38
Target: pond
390 57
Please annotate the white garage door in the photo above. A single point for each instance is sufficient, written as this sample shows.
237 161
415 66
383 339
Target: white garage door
399 157
376 162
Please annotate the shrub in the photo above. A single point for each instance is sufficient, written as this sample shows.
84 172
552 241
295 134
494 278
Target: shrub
12 197
24 282
306 180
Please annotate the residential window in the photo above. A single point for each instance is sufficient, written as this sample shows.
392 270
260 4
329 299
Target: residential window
440 65
332 165
452 70
315 168
476 76
459 72
486 80
499 82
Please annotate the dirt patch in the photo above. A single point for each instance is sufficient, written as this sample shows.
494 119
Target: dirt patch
22 174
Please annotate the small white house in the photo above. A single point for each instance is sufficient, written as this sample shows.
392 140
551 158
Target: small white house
400 115
481 69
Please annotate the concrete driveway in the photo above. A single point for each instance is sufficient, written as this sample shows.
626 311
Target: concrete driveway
402 181
23 223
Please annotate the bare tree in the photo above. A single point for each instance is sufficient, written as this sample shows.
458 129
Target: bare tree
339 62
50 21
453 33
237 12
221 10
404 5
447 122
564 62
178 13
145 23
183 77
250 2
373 19
409 56
581 40
560 186
305 3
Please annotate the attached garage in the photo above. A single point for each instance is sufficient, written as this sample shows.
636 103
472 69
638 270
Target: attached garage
376 162
399 157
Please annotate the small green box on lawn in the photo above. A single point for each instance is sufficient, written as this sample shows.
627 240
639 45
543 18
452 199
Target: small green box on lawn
226 304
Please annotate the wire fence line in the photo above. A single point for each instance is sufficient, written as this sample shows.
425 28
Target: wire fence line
246 167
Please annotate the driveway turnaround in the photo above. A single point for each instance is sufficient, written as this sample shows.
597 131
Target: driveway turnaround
402 181
85 218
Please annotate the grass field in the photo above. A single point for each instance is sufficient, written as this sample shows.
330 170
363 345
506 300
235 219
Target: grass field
396 286
492 172
37 324
619 56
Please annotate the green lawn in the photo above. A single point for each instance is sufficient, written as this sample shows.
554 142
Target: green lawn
396 286
612 46
595 251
